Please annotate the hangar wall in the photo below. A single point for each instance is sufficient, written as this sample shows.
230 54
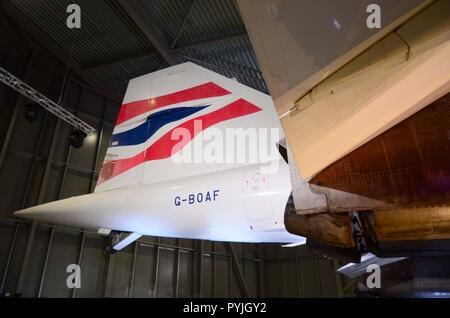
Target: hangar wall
37 165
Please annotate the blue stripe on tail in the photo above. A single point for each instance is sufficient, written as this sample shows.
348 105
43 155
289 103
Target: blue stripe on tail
154 122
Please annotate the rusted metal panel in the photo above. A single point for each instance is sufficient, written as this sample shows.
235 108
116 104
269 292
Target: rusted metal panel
412 224
408 165
326 228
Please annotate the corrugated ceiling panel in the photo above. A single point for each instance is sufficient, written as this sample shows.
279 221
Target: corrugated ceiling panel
113 50
211 19
103 33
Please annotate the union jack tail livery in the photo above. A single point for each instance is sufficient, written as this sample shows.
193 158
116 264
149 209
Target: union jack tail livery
186 98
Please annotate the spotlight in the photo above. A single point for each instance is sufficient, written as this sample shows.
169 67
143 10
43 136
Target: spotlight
31 112
77 138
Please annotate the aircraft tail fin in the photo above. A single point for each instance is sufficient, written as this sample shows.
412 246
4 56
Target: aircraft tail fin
160 108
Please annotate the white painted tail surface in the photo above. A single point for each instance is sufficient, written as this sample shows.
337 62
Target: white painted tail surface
184 121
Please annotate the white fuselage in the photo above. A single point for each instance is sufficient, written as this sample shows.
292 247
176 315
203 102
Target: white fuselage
240 205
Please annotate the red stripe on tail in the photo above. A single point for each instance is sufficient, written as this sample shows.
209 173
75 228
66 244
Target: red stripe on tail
133 109
162 148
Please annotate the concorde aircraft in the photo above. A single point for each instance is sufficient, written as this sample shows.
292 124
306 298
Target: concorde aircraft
363 166
193 155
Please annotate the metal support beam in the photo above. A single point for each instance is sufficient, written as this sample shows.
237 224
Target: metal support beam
35 155
10 254
299 273
80 257
34 161
176 51
75 80
243 258
136 12
350 284
47 256
229 273
221 56
23 88
26 258
223 68
177 278
338 278
69 153
40 200
9 132
64 176
199 289
97 153
238 271
212 41
260 268
214 270
317 261
133 270
183 23
107 275
280 272
155 280
15 114
103 62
